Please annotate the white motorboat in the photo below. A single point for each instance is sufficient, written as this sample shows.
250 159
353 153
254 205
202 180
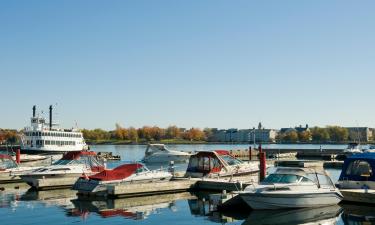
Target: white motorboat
290 187
132 172
218 163
353 148
64 172
159 153
10 170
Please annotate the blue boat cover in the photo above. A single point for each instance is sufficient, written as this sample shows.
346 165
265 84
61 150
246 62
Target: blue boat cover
367 157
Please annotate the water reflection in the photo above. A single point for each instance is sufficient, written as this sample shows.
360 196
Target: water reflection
61 197
323 215
358 214
137 208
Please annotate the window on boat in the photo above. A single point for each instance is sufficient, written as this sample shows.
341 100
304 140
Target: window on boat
140 170
282 178
60 169
359 168
7 163
324 181
231 160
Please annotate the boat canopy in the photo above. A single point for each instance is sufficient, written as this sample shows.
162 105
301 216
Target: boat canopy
295 174
119 173
359 167
211 161
6 162
81 157
152 148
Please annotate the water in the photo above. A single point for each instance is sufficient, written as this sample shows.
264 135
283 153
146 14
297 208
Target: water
22 206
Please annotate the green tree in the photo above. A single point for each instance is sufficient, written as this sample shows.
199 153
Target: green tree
320 134
338 134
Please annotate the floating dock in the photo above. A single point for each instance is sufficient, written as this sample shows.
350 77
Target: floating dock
176 185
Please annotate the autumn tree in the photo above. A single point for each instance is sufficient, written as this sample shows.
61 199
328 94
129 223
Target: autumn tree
291 136
172 132
133 134
304 136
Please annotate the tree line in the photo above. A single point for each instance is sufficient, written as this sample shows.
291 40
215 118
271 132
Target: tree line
146 133
315 134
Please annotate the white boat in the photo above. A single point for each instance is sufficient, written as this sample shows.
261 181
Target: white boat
159 153
64 172
10 170
218 163
43 137
353 148
290 187
132 172
357 178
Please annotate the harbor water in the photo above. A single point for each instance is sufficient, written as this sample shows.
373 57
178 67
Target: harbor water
19 205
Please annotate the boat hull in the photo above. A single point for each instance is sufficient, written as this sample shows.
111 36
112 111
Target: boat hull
359 195
51 182
285 200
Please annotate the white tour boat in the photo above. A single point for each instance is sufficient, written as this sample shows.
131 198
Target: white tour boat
43 137
290 187
64 172
159 153
132 172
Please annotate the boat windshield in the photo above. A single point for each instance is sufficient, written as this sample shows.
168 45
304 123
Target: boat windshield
231 160
282 178
84 159
7 163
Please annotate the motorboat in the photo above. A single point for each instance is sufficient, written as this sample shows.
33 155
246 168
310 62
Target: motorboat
10 170
357 178
64 172
159 153
293 187
127 173
218 163
353 148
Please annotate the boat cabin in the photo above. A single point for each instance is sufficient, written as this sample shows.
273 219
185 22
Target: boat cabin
358 172
208 162
152 148
81 157
299 175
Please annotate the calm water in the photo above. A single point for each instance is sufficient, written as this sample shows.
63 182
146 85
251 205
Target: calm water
23 206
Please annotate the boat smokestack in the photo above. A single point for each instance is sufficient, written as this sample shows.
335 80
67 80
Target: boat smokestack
34 108
50 117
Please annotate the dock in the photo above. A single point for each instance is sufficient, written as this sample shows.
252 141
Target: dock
176 185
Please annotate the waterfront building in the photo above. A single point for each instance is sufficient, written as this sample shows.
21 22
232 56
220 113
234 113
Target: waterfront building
244 135
360 134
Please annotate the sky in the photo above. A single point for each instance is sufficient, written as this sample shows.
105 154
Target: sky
212 63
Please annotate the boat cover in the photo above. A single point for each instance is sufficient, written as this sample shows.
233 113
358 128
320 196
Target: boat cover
359 167
118 173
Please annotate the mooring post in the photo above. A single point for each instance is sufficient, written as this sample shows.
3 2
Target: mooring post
262 165
18 156
249 153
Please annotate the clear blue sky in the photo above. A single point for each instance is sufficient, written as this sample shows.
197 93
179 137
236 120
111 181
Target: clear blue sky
194 63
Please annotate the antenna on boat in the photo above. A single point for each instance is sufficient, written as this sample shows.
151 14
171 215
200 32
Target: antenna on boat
34 109
50 117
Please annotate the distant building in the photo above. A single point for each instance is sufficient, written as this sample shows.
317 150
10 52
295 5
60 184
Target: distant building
244 135
360 134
